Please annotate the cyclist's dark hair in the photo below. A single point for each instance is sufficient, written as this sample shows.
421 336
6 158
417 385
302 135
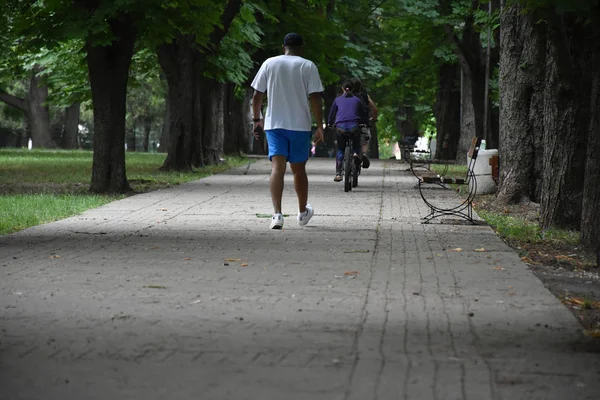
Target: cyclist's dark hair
348 87
356 84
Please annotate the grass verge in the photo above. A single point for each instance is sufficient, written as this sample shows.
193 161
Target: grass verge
21 211
41 186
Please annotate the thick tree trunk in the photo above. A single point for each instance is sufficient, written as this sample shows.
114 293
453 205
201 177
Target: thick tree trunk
467 120
163 144
521 80
237 129
472 60
329 96
405 122
246 121
447 112
147 130
213 131
374 142
109 70
590 214
566 120
69 139
177 61
39 116
182 64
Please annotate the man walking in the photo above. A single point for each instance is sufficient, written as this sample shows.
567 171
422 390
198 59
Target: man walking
289 82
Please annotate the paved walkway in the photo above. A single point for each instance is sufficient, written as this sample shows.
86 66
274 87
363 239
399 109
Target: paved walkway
185 293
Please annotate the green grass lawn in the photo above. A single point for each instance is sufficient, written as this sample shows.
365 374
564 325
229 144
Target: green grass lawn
39 186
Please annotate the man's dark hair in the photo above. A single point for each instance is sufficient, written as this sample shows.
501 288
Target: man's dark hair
293 40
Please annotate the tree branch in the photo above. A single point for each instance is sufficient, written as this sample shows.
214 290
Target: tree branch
14 101
231 11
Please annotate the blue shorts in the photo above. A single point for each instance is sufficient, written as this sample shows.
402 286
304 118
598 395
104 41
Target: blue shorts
293 145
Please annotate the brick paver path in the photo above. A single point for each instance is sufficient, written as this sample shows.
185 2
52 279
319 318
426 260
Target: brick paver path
185 293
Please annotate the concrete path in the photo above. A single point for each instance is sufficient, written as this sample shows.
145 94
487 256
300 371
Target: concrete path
185 293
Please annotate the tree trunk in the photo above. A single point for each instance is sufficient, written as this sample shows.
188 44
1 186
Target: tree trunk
447 112
237 129
467 120
213 130
329 96
39 116
183 66
69 139
521 81
405 123
374 142
108 68
147 130
471 59
131 143
177 61
566 120
590 214
163 144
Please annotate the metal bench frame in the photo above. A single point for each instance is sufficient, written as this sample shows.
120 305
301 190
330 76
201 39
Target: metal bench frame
465 208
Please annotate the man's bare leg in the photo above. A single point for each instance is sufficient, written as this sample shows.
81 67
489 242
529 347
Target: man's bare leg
278 166
300 184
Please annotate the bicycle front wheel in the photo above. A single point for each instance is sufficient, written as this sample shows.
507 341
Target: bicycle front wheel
347 169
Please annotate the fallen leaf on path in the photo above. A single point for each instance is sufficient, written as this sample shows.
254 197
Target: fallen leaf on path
187 259
54 256
155 287
357 251
244 265
458 250
480 250
582 302
498 268
528 260
351 273
564 258
163 209
592 333
233 259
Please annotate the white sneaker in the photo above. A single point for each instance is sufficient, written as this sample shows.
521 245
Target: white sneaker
277 221
304 217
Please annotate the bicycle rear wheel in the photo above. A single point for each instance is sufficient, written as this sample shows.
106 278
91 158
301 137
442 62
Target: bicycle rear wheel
347 168
355 173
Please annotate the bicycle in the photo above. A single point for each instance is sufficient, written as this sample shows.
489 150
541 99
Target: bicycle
351 165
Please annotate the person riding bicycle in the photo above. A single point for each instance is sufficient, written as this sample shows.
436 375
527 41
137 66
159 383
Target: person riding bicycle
365 137
347 113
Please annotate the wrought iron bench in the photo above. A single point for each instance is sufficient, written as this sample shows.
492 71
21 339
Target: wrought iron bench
465 207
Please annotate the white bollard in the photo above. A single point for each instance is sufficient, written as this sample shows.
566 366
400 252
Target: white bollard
483 171
30 144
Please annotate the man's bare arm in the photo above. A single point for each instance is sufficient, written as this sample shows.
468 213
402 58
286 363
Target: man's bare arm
316 105
373 109
257 100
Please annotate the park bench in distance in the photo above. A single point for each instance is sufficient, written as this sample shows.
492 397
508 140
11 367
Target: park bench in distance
464 208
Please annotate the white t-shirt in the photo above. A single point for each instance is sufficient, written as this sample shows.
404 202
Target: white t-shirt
288 80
